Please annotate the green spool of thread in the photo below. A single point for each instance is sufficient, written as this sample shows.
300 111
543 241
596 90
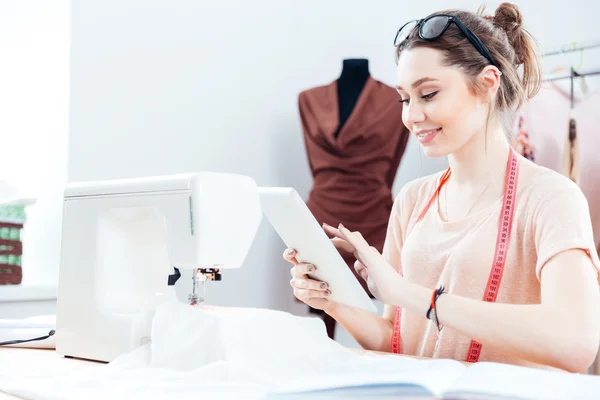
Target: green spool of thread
15 234
12 213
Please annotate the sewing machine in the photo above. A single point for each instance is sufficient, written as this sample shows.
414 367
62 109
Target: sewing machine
124 243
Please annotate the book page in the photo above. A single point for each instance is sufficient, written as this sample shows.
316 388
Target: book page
511 381
381 371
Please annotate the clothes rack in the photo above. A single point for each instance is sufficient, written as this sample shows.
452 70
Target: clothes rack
570 48
572 73
568 75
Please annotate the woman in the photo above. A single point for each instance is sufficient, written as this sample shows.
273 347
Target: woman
493 259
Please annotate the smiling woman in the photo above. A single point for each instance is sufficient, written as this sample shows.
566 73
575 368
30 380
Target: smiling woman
492 259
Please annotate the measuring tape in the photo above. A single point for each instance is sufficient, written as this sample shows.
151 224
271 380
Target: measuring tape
395 346
504 229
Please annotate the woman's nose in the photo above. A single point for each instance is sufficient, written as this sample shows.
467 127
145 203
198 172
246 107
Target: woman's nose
413 114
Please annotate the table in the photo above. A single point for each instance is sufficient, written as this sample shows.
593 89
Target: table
22 361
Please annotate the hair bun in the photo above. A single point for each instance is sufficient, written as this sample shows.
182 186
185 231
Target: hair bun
508 17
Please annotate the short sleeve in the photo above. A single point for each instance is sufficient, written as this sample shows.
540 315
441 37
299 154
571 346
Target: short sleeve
562 223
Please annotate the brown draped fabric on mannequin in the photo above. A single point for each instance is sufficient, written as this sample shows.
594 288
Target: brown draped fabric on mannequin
354 167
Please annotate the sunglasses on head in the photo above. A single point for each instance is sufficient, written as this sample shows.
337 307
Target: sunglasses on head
434 26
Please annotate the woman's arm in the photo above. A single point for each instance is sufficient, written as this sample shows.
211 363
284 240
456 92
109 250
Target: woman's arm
563 331
371 331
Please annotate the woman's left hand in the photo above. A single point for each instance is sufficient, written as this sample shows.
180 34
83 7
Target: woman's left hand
380 276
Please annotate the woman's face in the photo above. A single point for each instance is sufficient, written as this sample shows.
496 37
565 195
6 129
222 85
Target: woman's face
439 109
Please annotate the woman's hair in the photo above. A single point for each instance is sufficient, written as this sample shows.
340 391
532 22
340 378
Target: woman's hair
509 44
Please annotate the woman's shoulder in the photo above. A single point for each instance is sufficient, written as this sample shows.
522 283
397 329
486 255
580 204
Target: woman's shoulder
417 190
541 185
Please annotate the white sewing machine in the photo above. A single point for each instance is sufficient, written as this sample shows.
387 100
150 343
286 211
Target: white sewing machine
123 243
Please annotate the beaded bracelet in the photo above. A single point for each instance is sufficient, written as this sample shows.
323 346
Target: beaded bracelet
434 296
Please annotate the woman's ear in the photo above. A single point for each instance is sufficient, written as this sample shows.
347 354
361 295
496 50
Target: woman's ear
490 79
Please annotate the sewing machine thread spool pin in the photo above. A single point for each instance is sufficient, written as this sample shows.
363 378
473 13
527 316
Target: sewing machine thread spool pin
201 275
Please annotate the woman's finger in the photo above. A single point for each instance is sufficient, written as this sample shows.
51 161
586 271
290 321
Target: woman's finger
336 233
354 238
364 273
340 232
361 270
330 230
306 294
289 255
345 234
310 284
358 266
302 269
341 238
342 244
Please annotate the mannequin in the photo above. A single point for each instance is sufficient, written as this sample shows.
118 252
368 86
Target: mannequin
354 139
355 72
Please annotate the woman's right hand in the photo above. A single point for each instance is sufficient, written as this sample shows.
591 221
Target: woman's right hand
309 291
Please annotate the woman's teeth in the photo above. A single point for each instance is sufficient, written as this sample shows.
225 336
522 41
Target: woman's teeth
425 134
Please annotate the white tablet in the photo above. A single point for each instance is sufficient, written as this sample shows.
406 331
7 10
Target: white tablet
298 228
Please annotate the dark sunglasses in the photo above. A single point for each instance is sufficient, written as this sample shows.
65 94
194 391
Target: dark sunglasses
434 26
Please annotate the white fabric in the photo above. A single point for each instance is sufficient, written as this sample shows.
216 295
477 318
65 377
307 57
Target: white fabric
225 353
189 337
220 353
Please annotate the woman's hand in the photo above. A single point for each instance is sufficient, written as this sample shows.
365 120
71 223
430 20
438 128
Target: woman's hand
311 292
370 264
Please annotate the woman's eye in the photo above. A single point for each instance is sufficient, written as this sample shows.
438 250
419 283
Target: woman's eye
429 96
403 100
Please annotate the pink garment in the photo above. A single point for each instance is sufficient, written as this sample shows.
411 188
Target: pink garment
522 142
547 119
550 216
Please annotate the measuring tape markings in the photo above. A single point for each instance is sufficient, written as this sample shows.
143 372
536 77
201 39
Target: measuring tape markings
504 230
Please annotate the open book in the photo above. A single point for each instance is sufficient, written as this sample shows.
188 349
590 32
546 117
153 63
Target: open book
392 377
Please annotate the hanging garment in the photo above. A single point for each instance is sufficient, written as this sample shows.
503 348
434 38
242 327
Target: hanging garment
353 173
522 143
547 116
571 153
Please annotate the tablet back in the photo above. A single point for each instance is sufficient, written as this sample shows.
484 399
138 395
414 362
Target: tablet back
298 228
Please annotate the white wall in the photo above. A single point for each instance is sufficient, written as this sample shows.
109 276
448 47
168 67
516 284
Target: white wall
34 70
166 86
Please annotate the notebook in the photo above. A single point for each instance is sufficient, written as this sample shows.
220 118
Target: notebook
392 377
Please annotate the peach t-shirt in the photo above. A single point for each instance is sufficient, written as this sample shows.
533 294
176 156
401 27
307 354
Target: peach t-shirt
551 215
